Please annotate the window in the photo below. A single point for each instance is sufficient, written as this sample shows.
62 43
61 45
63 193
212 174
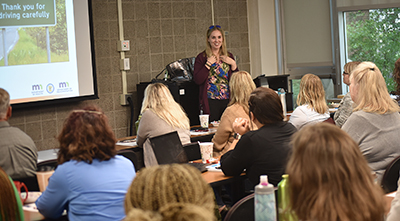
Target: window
374 35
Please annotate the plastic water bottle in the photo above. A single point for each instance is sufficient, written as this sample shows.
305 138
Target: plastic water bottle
264 201
285 214
282 96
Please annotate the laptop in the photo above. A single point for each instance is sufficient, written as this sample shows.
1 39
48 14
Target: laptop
168 149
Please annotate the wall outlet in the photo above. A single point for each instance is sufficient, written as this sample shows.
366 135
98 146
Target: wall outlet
124 98
124 64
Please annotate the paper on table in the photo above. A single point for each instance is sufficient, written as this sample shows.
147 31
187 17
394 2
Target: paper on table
214 167
129 143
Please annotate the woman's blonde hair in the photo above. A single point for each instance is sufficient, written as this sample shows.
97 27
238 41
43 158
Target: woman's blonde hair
372 95
172 191
312 93
158 99
222 50
329 178
350 66
240 86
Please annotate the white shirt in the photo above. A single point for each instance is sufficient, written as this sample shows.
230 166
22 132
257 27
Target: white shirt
303 115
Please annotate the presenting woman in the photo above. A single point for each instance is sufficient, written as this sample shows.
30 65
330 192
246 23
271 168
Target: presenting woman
375 121
241 86
90 181
263 151
161 114
212 71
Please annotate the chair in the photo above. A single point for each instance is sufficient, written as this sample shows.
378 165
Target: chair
242 210
391 176
131 155
192 151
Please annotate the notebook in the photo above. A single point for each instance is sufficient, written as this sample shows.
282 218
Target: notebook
168 149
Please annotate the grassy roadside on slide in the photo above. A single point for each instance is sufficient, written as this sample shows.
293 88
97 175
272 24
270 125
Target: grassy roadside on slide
26 52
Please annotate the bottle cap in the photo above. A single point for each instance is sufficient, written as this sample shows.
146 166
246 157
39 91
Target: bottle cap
264 180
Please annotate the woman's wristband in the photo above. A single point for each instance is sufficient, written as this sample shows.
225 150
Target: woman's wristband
208 65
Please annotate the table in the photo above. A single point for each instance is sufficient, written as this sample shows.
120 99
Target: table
194 137
213 178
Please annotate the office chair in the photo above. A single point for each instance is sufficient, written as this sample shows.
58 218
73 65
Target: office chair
391 176
131 155
242 210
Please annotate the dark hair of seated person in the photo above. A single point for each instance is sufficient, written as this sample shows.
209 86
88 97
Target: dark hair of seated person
86 135
8 202
266 106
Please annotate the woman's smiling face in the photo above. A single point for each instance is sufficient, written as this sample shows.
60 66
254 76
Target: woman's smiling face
215 40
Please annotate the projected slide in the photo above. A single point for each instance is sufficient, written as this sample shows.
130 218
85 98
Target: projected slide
38 50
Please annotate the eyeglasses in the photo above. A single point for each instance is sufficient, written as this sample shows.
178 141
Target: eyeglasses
212 26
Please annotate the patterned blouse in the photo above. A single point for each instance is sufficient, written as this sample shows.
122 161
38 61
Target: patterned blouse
217 87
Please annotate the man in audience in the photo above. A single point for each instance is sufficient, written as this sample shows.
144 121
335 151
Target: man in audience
18 153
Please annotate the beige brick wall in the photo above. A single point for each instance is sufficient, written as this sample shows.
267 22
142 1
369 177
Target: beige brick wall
160 32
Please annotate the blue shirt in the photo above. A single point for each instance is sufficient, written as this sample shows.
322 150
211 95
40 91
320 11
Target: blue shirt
88 191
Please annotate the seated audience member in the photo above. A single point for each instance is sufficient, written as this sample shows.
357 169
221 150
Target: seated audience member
329 179
18 153
263 151
394 213
375 121
346 104
169 192
240 86
161 114
10 201
312 107
396 78
90 181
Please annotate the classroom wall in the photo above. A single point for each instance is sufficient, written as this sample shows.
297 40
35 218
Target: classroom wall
160 32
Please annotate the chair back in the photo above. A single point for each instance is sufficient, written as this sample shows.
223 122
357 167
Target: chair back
391 176
242 210
192 151
131 155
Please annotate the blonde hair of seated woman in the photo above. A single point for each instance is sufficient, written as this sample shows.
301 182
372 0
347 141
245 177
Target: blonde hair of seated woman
169 192
240 85
312 93
158 99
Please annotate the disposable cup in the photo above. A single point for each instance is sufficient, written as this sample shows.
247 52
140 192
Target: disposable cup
206 149
43 179
204 120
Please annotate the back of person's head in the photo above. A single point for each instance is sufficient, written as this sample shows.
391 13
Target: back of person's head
396 75
329 178
8 203
4 103
86 135
159 99
372 95
350 66
312 93
266 106
240 86
169 192
223 50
